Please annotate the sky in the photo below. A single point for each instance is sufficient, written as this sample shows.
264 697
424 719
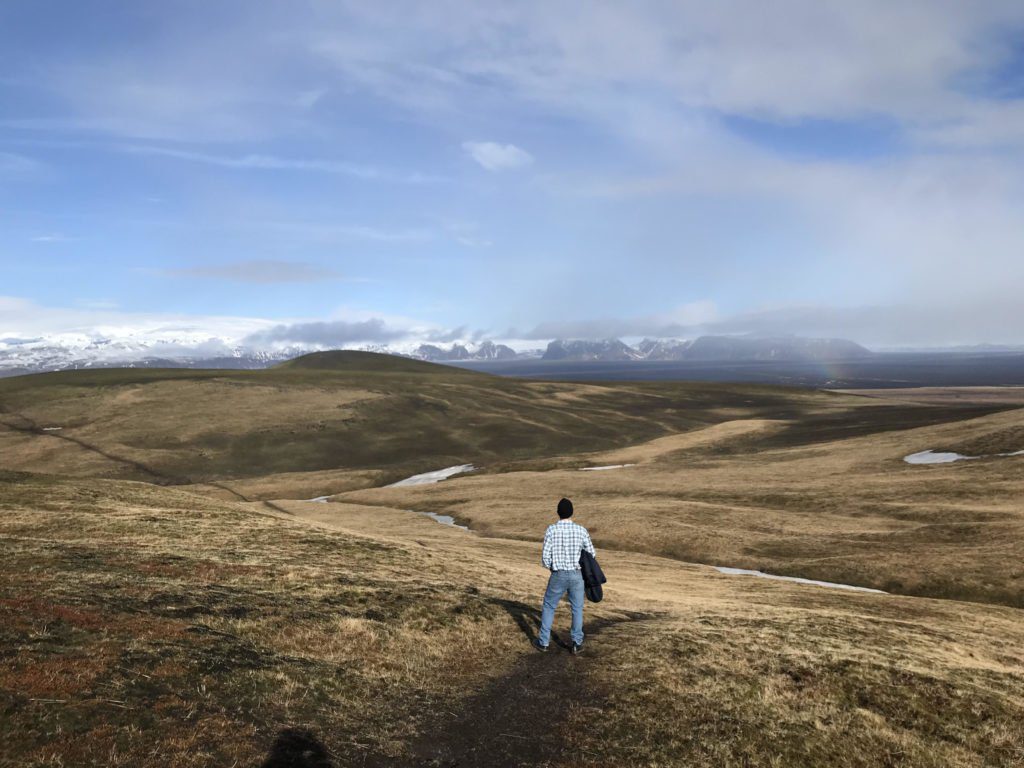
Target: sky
347 173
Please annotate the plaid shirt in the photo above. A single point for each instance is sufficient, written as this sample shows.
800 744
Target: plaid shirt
563 543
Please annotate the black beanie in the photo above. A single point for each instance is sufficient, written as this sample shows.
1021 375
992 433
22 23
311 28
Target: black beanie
564 509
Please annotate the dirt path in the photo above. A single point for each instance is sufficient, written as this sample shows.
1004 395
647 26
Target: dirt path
518 720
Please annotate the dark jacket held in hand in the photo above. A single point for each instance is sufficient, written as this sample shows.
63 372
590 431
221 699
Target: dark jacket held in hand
593 577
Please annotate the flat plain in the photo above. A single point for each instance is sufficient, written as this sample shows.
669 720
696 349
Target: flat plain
169 598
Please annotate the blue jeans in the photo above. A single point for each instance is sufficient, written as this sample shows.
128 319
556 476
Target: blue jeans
559 583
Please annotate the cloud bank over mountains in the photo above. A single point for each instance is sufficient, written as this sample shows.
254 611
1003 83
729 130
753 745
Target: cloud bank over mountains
33 337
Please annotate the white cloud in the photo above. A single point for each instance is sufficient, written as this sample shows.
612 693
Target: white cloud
497 157
309 99
273 163
260 271
12 165
327 334
780 61
964 322
123 335
682 322
52 237
24 318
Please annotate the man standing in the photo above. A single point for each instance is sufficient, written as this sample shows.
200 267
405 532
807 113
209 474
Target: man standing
563 543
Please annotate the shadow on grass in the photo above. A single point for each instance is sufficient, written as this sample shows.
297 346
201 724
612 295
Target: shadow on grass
297 748
527 618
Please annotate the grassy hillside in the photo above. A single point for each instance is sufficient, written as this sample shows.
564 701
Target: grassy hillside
144 624
360 419
148 626
353 361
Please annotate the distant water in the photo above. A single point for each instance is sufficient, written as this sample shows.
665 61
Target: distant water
889 369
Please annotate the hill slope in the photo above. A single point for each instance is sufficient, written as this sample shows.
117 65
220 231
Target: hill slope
347 412
349 361
146 626
370 418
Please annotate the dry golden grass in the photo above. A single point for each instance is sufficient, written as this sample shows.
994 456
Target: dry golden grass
848 510
151 626
207 628
187 427
717 670
945 395
146 625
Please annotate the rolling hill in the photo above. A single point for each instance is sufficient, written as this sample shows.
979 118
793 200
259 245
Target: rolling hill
377 416
168 597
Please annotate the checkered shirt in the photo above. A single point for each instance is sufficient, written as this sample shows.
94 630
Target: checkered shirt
563 542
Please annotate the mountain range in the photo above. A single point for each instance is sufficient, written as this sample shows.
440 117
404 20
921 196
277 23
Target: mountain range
709 348
487 350
194 350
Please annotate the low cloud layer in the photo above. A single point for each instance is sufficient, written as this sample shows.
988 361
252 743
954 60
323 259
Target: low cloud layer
275 163
896 325
336 333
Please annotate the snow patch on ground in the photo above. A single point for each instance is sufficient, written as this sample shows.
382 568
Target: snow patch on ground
319 499
610 466
946 457
52 429
798 580
436 476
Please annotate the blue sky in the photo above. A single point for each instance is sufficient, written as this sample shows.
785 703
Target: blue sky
513 171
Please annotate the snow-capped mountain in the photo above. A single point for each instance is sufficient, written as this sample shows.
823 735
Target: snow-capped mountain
663 349
708 348
74 350
606 350
191 348
487 350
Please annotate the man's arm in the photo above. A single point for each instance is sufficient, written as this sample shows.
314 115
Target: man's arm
588 544
545 554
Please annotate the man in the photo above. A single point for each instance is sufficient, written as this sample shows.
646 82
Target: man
563 543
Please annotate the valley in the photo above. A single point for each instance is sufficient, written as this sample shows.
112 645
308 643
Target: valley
217 567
